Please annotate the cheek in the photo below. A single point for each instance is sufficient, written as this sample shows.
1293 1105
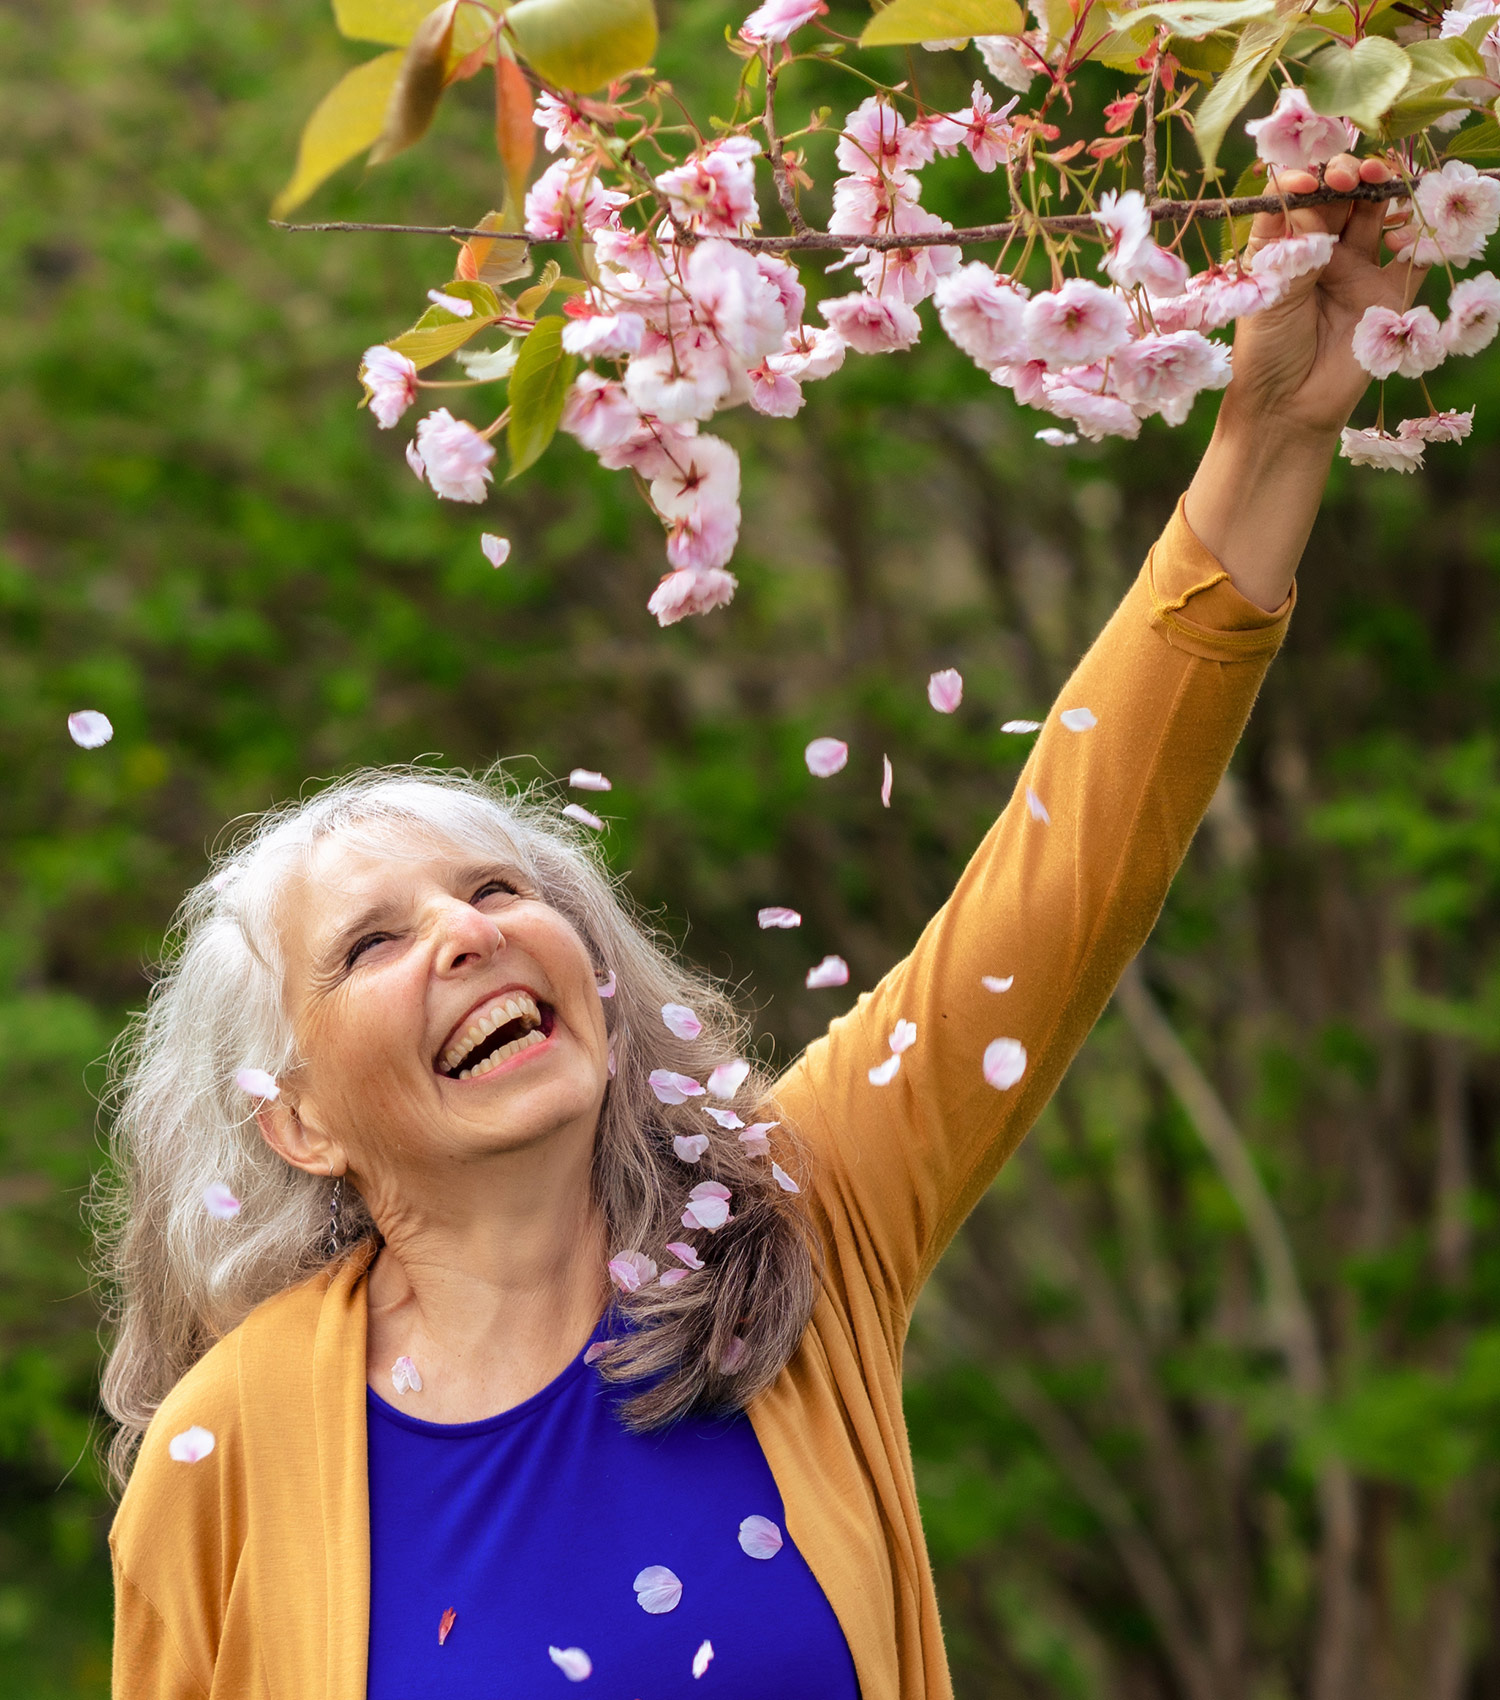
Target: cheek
359 1048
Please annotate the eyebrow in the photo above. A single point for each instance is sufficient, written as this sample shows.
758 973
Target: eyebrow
378 917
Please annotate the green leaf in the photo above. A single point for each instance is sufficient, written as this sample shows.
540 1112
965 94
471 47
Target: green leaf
529 304
1120 49
907 21
1442 62
1406 117
438 332
1359 82
1206 59
1253 58
1475 141
1236 232
346 121
584 44
1194 19
419 88
391 22
538 388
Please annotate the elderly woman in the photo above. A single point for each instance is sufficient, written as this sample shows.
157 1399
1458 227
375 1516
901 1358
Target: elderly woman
552 1342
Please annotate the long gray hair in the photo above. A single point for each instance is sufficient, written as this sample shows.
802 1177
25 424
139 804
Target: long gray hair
179 1277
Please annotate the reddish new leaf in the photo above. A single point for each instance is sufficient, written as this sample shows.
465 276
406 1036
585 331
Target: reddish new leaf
445 1624
515 134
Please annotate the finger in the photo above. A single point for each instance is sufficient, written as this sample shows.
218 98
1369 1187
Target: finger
1367 218
1268 226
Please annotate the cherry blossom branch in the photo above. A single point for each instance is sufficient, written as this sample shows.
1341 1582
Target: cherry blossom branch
1148 157
776 156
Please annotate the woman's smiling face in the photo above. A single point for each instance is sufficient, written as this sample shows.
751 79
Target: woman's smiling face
443 1011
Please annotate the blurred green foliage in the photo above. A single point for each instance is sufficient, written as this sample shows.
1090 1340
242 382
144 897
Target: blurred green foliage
202 535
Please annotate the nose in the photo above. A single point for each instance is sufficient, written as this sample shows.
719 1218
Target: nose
466 938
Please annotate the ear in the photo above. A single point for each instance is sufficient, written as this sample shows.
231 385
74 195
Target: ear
302 1146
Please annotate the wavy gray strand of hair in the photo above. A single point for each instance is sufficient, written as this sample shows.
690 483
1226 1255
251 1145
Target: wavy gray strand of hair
177 1278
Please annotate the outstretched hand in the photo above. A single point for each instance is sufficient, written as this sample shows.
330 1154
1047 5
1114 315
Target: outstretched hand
1293 363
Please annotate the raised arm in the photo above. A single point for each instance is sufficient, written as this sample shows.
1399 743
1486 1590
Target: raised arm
1068 883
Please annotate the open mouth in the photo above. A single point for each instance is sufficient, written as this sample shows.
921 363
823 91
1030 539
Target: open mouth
495 1032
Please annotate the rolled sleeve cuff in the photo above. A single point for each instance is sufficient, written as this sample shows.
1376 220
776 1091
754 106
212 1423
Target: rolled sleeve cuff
1196 607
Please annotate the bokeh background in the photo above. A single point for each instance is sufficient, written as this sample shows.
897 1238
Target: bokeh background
1205 1402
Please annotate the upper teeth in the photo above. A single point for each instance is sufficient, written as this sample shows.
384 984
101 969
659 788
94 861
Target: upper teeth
514 1006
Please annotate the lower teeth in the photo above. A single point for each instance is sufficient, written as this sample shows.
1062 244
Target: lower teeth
505 1051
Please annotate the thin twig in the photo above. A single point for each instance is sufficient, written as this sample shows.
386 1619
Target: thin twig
777 157
1148 154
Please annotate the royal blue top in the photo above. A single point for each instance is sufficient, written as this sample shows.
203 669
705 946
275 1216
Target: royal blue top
533 1527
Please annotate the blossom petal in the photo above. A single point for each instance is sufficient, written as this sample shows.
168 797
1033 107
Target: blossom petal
631 1270
884 1073
734 1355
903 1036
445 1625
945 690
607 986
707 1207
831 971
1079 719
573 1662
496 549
1004 1062
885 782
825 757
681 1249
596 1351
584 817
690 1146
994 983
1037 806
777 917
657 1589
671 1277
414 460
219 1201
680 1021
673 1088
454 304
754 1138
703 1658
585 779
783 1179
257 1083
1022 726
1056 439
191 1445
726 1119
88 728
759 1537
405 1377
728 1078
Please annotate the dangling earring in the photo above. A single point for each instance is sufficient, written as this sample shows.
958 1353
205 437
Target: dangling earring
335 1209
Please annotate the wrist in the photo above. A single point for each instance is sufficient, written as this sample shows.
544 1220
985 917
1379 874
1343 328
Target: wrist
1270 434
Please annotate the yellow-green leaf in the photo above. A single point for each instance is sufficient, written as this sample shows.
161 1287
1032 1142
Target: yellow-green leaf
1441 62
584 44
905 21
538 388
1254 56
1205 59
419 87
438 332
1475 141
1194 19
1359 82
1236 231
391 22
347 121
529 303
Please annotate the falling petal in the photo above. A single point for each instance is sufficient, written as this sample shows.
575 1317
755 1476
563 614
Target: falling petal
257 1083
707 1207
88 728
414 460
573 1662
759 1537
225 876
703 1658
903 1036
776 917
754 1138
405 1377
681 1249
219 1201
585 779
728 1078
884 1073
584 817
1004 1062
1037 806
673 1276
825 756
631 1270
612 1065
191 1445
885 783
783 1179
726 1119
680 1021
496 549
734 1355
454 304
597 1351
607 985
945 690
673 1088
690 1146
445 1625
657 1589
1079 719
1022 726
994 983
831 971
1055 439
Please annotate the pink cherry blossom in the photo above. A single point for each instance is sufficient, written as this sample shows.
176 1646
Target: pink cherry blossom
257 1083
680 1021
1473 314
714 194
704 1657
1387 342
868 202
1438 427
414 461
584 817
945 690
631 1270
982 315
391 380
995 983
89 729
599 1349
405 1376
754 1138
876 138
606 987
604 336
573 1662
831 971
887 774
1013 60
673 1088
826 757
697 495
738 299
1213 298
1164 274
191 1446
1375 448
783 1179
568 199
734 1355
759 1537
599 413
870 324
690 1146
885 1072
776 19
454 304
1292 257
456 458
707 1207
1163 374
1037 808
1076 324
1126 225
585 779
1095 414
903 1036
727 1119
808 352
982 130
220 1202
681 1250
1079 719
1004 1063
496 549
1296 137
777 917
728 1078
774 393
907 276
689 591
1461 211
565 125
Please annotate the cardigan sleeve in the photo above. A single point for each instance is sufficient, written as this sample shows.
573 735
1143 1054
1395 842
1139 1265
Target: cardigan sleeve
148 1663
1058 898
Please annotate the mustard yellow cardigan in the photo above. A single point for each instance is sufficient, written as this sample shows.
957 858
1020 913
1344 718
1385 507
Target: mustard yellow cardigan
246 1576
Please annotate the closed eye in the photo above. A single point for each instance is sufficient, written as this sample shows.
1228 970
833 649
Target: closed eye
490 888
360 946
